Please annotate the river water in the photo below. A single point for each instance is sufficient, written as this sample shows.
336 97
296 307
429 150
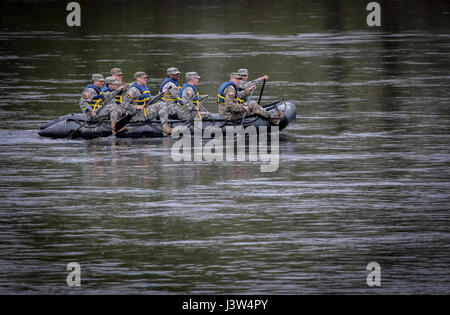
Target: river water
364 170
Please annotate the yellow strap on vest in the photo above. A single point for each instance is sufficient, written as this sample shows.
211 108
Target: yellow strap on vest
169 98
198 107
179 98
237 100
97 104
142 102
118 98
196 102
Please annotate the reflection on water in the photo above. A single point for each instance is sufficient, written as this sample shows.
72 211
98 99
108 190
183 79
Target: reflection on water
363 176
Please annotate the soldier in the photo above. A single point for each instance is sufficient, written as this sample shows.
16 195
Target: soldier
117 74
138 97
112 108
92 97
171 95
244 84
231 103
189 98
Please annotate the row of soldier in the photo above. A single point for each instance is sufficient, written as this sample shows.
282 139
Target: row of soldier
111 98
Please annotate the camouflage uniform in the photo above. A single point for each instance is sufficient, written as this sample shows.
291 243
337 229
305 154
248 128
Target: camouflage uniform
203 109
170 100
230 109
189 110
246 84
87 97
111 109
149 111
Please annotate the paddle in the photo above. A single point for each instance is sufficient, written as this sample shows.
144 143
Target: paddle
84 124
262 90
125 120
248 102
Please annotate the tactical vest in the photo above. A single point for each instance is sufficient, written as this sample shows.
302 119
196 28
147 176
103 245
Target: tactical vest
221 97
98 100
117 97
168 97
144 98
180 94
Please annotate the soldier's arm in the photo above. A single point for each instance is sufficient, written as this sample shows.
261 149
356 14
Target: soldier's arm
127 101
86 97
229 94
85 107
241 85
173 91
187 97
253 82
109 95
245 93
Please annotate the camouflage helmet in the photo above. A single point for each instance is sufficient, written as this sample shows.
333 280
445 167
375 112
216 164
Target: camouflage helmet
97 77
243 71
236 75
116 71
190 75
111 80
173 70
140 74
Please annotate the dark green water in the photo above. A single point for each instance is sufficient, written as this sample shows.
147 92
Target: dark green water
363 176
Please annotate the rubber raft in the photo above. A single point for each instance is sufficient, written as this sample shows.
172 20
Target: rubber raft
67 125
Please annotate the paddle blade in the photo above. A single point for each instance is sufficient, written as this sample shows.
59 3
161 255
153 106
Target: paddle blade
123 122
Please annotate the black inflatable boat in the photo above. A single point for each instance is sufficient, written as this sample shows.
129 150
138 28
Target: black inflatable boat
70 124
